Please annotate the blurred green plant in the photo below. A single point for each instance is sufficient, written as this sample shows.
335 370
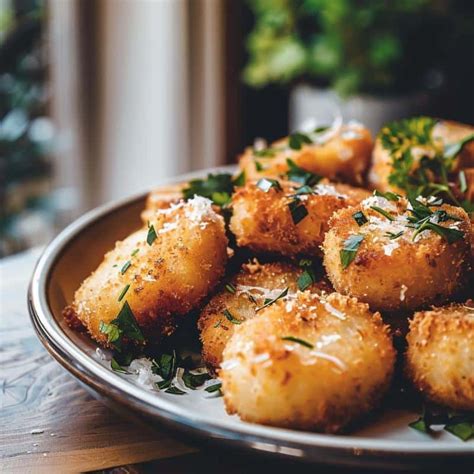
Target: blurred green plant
371 46
25 130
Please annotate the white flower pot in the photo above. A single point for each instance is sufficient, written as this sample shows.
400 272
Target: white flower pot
308 103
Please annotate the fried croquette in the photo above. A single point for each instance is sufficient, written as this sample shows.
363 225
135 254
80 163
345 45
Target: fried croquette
340 153
443 134
440 355
311 363
160 272
161 198
396 255
242 296
285 221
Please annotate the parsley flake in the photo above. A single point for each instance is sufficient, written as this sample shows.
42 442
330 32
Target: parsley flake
298 211
269 302
214 388
360 218
151 236
297 140
298 341
383 212
124 292
300 175
231 318
126 266
265 184
349 251
230 288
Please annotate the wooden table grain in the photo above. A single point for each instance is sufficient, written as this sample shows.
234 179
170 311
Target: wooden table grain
49 423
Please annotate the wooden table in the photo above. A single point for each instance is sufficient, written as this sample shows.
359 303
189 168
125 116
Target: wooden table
49 423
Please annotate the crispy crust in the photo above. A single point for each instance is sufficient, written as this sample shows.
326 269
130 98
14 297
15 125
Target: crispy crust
161 198
167 279
253 281
262 221
272 381
408 276
440 355
343 157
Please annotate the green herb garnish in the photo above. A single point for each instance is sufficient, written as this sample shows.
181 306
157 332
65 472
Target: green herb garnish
307 278
300 175
393 236
299 341
297 140
383 212
462 181
231 318
360 218
116 367
214 388
230 288
388 195
173 390
217 324
124 292
349 251
135 252
193 381
265 184
126 266
217 187
269 302
258 166
298 211
239 180
151 236
265 153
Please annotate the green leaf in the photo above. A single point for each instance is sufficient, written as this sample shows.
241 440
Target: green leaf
173 390
450 235
214 388
298 211
265 184
231 318
349 251
258 166
117 367
393 236
193 381
300 175
151 236
265 153
128 324
214 183
111 330
124 292
305 280
297 140
271 301
462 181
463 430
298 341
230 288
420 425
126 266
453 149
221 198
360 218
239 180
388 195
165 366
383 212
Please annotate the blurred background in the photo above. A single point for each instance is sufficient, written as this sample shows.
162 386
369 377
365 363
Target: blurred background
100 99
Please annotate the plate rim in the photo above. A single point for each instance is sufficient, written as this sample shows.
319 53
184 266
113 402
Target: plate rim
102 379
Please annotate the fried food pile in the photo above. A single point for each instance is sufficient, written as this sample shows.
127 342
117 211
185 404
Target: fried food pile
301 268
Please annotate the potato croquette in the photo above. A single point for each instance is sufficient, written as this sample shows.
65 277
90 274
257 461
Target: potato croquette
393 257
444 132
161 198
167 276
267 221
311 363
338 153
440 355
241 297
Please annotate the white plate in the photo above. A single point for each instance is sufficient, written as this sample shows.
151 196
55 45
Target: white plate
386 441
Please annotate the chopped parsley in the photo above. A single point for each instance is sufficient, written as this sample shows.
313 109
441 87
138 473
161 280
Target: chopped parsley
269 302
298 341
216 187
265 153
297 140
258 166
239 180
460 425
194 381
230 288
151 236
360 218
429 174
389 196
124 325
217 324
383 212
116 367
265 184
300 175
298 211
135 252
393 235
349 251
215 388
462 181
231 318
173 390
126 266
307 278
124 292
